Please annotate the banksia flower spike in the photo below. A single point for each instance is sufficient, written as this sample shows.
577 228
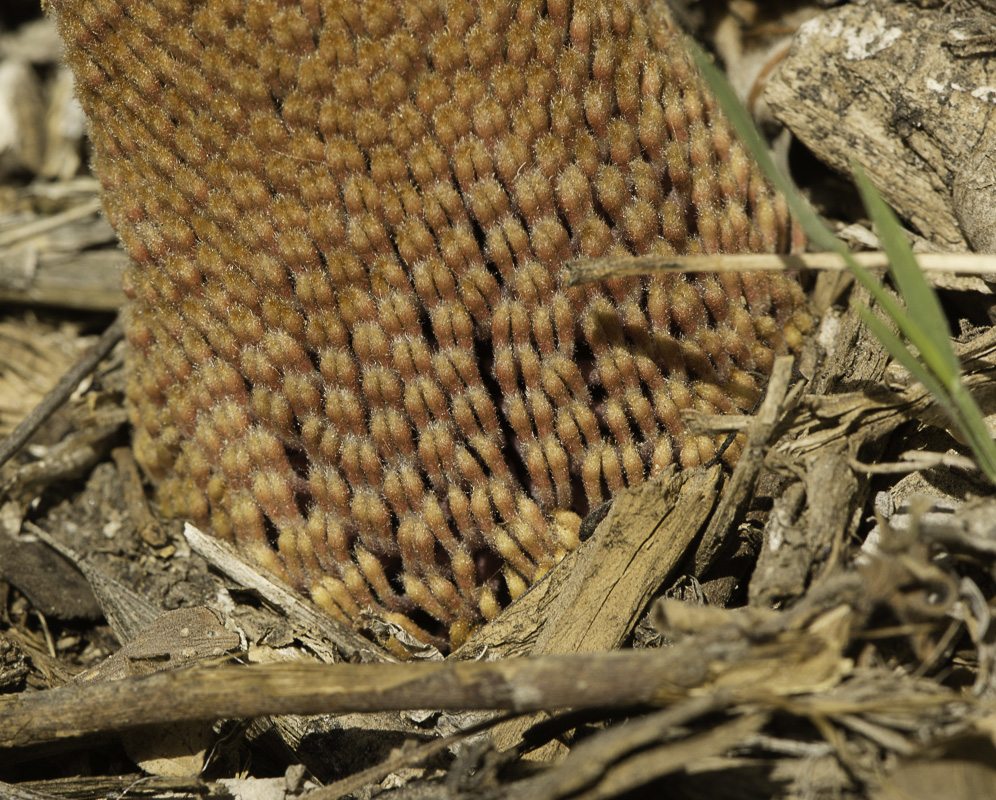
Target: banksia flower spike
352 352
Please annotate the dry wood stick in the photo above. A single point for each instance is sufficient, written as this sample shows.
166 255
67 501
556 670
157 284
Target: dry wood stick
775 662
580 681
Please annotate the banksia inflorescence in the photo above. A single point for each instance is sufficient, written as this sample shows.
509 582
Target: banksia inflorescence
352 350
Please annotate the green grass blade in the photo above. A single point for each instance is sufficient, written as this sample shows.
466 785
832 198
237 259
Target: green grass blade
897 349
818 233
973 426
923 325
921 301
910 327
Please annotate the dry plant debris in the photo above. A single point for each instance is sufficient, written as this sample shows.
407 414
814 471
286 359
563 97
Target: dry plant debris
33 356
55 247
906 91
729 679
875 678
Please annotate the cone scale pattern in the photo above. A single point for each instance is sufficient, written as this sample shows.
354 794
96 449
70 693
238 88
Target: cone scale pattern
351 350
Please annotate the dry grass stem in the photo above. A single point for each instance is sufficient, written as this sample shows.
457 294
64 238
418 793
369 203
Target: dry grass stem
602 269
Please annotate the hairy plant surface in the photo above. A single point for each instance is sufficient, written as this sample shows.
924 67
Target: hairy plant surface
351 350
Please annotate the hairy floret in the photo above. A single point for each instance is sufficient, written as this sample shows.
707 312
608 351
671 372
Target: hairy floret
352 352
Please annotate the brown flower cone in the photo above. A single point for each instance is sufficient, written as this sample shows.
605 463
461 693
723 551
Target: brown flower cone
351 350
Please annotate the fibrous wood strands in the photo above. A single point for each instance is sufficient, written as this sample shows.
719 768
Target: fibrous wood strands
351 350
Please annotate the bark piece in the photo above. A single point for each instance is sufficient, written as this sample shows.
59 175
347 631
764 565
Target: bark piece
881 84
